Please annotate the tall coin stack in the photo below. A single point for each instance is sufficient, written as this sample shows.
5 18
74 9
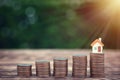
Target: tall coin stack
60 67
79 66
24 70
97 65
43 68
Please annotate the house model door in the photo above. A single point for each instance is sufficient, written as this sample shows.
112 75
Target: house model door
99 48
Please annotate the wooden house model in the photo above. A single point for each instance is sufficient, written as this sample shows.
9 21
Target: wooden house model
97 46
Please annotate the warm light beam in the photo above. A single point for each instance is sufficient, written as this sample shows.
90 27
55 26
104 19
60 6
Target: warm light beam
111 10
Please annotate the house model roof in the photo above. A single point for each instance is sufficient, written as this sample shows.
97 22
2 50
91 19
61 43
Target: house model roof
97 41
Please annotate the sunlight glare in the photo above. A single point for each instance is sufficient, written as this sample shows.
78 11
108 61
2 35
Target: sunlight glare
114 4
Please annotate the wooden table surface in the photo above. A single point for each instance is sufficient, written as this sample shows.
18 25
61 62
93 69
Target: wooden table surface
10 58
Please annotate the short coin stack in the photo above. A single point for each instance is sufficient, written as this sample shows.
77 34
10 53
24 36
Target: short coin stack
24 70
60 67
97 65
43 68
79 66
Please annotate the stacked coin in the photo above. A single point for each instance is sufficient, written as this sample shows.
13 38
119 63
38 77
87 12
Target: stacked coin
60 67
79 66
43 68
24 70
97 65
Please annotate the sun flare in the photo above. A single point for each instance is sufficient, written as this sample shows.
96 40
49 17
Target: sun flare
105 16
111 9
114 4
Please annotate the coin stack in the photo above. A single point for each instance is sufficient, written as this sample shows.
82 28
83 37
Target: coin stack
60 67
24 70
79 66
43 68
97 65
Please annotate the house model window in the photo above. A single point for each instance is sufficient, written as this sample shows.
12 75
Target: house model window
97 46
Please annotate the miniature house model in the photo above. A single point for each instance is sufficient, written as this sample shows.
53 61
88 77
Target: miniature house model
97 46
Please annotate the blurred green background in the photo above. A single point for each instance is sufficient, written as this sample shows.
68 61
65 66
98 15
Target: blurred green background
50 24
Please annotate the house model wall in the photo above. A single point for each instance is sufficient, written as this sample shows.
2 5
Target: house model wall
97 46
